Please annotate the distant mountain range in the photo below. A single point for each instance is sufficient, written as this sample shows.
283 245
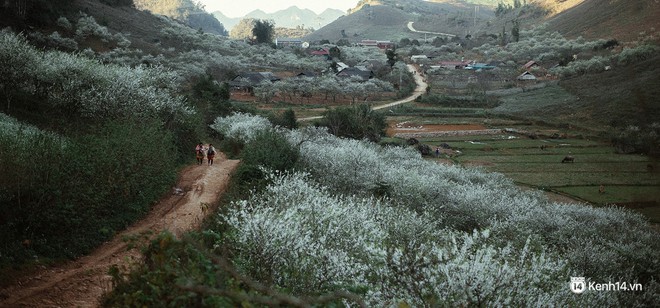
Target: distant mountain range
292 17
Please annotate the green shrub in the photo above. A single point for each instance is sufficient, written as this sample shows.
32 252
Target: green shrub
635 139
286 119
120 130
637 54
169 267
30 164
357 122
271 150
465 102
68 195
188 131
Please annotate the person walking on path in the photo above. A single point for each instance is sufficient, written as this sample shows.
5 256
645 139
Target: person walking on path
210 154
199 152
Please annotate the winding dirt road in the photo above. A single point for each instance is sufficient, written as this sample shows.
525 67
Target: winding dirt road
419 90
81 283
410 27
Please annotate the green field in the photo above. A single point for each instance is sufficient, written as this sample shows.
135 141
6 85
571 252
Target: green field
626 178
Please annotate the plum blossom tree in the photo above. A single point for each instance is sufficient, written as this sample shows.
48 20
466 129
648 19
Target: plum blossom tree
265 91
444 235
19 64
77 86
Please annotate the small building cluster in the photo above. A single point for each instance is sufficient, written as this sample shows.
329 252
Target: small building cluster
246 81
527 74
282 42
378 44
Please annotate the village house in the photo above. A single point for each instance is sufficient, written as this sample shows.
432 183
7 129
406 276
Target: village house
368 43
419 58
529 65
453 64
526 76
309 74
246 81
361 72
375 43
321 52
479 66
373 64
385 44
341 65
282 42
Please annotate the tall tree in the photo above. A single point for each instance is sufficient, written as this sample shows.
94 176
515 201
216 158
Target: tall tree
335 52
515 31
503 35
264 31
391 57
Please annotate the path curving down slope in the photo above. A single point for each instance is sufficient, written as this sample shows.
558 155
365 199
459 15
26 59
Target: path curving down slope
410 27
82 282
419 90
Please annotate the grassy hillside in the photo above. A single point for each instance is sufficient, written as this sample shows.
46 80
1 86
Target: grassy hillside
144 34
388 19
377 22
627 95
619 19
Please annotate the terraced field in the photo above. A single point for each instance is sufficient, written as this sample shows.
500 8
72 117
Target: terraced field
626 180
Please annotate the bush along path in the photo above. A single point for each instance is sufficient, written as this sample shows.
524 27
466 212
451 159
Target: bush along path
82 283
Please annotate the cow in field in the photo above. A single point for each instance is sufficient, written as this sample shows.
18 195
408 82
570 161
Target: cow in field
568 159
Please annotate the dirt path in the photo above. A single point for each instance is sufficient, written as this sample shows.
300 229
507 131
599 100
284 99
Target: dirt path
410 27
82 282
419 90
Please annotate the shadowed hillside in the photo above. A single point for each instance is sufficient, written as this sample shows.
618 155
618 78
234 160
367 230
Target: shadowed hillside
625 96
619 19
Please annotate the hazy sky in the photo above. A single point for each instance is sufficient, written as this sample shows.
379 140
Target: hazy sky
238 8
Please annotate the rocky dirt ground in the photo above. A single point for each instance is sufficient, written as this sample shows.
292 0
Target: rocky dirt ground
82 283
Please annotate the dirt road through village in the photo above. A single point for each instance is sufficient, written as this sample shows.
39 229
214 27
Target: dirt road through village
81 283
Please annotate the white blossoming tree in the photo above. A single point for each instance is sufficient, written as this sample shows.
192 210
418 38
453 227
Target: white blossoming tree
76 85
439 235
